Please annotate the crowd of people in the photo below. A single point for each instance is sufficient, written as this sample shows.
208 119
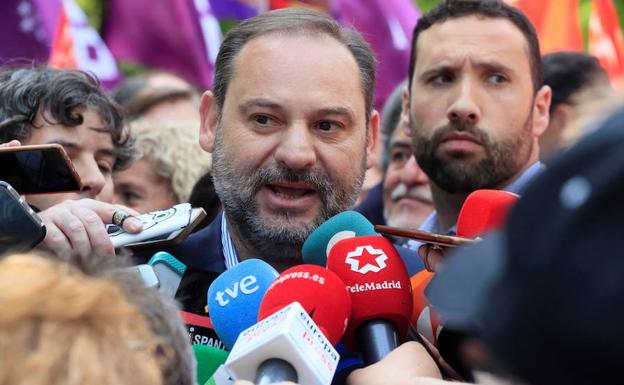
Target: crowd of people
280 144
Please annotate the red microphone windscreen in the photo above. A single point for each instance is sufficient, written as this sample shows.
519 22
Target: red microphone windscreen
321 293
424 318
377 280
483 211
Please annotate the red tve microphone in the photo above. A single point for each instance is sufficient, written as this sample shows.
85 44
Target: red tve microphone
321 292
381 294
483 211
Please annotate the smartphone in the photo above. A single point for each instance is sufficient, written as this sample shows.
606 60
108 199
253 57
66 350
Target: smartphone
161 229
21 229
425 237
173 238
38 169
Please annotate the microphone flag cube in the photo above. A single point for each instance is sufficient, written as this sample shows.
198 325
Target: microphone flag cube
290 335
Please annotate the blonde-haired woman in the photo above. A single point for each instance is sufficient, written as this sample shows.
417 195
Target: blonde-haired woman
59 326
170 163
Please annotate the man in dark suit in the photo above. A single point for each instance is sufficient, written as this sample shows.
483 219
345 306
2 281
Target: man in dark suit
291 127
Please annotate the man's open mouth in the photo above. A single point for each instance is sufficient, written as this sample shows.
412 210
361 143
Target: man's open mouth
288 190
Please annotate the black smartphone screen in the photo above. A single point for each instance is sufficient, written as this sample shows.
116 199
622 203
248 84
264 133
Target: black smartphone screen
20 228
38 170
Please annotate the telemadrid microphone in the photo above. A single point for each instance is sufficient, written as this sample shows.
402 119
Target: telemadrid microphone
381 295
321 293
234 298
484 210
346 224
285 346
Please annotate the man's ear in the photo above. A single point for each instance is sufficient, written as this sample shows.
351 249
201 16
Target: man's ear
405 106
208 124
541 107
373 138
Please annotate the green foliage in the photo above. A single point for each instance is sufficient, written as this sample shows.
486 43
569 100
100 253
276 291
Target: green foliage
619 5
129 68
94 9
426 5
584 13
226 25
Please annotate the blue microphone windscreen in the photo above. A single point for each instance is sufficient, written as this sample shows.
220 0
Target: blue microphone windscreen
347 224
234 298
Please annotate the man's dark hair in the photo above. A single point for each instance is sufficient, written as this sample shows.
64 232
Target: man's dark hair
568 72
63 95
390 118
288 22
453 9
136 95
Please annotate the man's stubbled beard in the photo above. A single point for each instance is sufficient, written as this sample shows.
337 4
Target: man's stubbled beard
457 174
277 239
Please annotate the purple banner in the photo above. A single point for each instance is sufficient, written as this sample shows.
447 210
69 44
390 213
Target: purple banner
181 36
78 45
233 9
387 26
26 30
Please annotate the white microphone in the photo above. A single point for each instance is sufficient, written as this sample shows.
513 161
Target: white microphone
220 377
285 346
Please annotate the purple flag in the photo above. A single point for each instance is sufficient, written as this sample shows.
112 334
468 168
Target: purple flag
26 29
181 36
387 26
77 45
29 30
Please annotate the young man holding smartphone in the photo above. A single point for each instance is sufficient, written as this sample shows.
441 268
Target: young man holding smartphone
67 107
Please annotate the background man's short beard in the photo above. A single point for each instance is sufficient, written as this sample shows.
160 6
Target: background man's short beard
460 176
279 239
